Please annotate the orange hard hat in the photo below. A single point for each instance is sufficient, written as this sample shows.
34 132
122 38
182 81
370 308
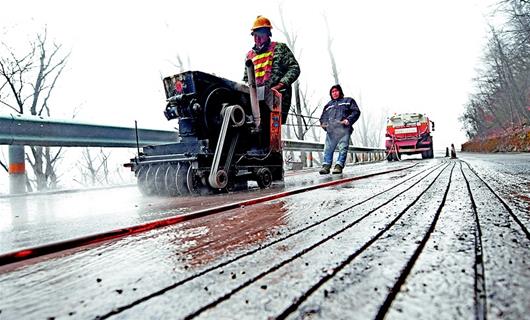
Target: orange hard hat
261 22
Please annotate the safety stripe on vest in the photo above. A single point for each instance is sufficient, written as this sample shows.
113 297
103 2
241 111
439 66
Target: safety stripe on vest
262 64
263 55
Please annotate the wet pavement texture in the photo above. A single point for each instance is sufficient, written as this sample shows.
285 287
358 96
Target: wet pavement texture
35 220
443 239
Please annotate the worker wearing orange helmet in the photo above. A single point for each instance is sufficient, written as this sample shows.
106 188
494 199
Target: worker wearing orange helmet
274 63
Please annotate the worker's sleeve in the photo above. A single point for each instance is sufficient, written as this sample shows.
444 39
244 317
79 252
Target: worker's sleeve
323 119
355 112
288 63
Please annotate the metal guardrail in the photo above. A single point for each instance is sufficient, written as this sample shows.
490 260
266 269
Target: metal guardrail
32 130
19 130
300 145
38 131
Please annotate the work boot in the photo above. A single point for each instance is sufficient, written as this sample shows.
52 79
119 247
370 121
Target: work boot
337 169
325 169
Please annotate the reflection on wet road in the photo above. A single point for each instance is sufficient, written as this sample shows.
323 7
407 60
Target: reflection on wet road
36 220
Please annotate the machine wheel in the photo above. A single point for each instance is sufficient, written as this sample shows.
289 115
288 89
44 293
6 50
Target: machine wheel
213 106
235 184
193 181
264 178
426 154
182 178
221 179
170 180
160 177
393 156
146 180
140 176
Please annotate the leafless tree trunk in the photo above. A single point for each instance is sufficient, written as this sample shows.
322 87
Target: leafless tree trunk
4 163
369 132
94 170
27 83
311 124
334 71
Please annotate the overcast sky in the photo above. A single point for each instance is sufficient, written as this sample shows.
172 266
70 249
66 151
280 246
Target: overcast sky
393 56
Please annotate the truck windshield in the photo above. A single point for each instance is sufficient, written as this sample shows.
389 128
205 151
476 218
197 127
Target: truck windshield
406 119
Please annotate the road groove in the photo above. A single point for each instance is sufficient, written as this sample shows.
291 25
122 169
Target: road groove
285 261
506 206
480 282
505 247
173 286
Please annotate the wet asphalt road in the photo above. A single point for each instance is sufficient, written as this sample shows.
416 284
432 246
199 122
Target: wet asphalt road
39 219
434 241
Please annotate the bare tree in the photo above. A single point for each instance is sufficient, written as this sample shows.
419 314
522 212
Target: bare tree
4 166
181 67
369 133
502 100
311 123
94 169
27 83
334 71
291 43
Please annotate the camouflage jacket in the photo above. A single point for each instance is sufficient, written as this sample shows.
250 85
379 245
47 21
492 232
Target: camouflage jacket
285 69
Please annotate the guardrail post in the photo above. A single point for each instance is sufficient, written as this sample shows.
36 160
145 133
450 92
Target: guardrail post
17 169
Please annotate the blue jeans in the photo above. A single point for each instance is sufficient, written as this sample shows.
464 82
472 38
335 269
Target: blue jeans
329 148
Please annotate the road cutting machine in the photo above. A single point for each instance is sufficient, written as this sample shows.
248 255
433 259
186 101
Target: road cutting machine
228 135
409 133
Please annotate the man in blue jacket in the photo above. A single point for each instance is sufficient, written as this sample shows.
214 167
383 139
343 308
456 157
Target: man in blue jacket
337 119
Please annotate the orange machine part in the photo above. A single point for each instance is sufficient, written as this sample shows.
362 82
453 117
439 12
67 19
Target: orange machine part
276 123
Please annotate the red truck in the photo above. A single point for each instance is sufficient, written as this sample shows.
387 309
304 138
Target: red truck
408 133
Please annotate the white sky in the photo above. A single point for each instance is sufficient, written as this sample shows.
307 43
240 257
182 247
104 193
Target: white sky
393 56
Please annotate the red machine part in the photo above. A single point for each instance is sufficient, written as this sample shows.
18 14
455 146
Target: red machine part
276 123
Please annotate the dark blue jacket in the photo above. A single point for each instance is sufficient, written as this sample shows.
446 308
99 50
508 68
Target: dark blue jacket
338 110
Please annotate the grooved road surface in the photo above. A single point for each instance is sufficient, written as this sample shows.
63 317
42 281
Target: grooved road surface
444 239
